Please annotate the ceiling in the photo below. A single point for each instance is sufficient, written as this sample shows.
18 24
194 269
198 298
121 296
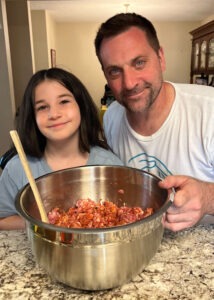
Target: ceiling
100 10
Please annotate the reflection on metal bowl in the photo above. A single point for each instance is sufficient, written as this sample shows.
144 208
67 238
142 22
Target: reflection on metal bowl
95 259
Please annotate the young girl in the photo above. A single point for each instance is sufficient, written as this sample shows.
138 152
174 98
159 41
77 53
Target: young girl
58 125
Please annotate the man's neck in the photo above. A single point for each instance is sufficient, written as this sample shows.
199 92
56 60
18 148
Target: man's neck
147 123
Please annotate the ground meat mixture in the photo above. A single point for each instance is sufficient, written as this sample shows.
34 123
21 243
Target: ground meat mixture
90 214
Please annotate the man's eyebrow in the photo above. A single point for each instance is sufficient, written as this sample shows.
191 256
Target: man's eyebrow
131 61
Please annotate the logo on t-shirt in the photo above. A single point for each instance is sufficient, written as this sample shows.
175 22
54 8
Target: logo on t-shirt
150 164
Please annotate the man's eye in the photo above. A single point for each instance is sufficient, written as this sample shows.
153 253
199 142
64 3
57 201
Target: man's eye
114 72
140 63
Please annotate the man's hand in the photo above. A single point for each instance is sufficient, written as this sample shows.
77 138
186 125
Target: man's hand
193 199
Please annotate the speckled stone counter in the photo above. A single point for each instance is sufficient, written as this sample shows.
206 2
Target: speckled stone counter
183 268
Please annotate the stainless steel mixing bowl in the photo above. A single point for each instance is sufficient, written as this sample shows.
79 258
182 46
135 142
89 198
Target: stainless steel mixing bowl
95 259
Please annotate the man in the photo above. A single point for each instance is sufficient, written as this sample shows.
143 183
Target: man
157 126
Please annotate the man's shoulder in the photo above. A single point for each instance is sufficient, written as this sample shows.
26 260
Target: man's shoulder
115 107
113 115
196 90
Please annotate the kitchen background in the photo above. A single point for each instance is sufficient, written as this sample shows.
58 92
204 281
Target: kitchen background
28 32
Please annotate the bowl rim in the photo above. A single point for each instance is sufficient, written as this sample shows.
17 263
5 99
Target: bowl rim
52 227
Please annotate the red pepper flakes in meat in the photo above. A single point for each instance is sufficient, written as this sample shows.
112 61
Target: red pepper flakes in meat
90 214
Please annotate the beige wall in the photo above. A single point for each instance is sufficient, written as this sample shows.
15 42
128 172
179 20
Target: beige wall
7 101
16 63
40 46
75 52
51 36
176 41
44 38
20 45
207 20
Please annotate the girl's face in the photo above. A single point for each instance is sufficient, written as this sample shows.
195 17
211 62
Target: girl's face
56 111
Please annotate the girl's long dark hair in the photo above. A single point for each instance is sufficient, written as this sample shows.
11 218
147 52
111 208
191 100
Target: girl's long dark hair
33 141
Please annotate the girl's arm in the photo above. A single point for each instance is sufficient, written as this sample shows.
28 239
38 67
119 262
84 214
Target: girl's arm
12 223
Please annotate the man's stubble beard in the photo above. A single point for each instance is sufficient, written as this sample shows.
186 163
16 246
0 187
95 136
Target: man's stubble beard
144 104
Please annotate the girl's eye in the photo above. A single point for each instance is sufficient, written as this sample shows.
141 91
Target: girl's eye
41 107
64 101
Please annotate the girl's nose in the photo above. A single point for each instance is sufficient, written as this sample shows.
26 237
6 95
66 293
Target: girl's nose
53 113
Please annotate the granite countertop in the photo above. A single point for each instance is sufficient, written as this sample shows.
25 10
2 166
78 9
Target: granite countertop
183 268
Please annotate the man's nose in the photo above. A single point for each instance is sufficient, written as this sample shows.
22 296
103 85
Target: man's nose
129 79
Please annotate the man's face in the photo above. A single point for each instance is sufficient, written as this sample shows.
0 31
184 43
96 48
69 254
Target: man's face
133 69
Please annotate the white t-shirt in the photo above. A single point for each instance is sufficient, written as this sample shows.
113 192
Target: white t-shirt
183 145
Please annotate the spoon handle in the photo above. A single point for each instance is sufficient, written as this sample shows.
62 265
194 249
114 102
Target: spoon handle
22 156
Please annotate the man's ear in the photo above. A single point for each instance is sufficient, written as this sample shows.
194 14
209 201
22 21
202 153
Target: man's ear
162 59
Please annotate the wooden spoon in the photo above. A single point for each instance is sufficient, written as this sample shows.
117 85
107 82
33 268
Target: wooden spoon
22 156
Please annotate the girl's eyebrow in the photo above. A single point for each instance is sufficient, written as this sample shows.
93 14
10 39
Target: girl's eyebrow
39 101
59 96
65 95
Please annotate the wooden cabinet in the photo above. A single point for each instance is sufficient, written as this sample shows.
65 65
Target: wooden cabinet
202 60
